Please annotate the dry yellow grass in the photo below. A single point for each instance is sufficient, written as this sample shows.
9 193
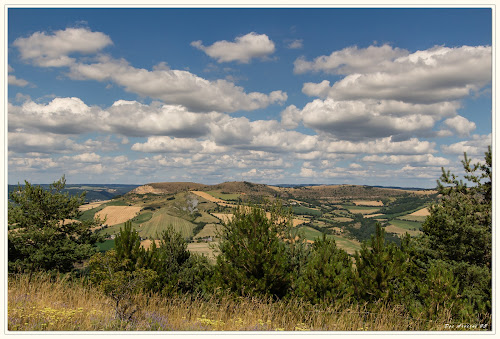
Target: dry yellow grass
421 213
372 215
92 205
38 304
207 196
368 203
362 211
117 214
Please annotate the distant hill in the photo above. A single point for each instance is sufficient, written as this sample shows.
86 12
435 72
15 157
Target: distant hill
95 192
285 191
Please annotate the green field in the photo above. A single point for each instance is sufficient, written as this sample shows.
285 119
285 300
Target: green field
207 217
350 246
160 220
309 233
420 219
224 196
301 210
407 225
106 245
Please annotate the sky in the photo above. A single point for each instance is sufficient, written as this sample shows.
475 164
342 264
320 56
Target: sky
368 96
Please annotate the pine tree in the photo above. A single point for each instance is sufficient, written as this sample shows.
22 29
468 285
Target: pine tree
327 276
380 269
254 252
44 231
458 230
459 226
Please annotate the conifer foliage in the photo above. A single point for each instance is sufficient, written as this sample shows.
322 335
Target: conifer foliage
44 234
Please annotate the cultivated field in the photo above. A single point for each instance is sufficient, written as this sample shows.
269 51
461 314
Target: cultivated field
92 205
162 219
367 203
118 214
420 213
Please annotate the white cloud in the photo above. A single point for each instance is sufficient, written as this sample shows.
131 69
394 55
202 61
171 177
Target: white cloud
53 50
30 164
316 90
351 60
383 145
434 75
369 119
246 47
83 158
295 44
167 144
478 145
460 125
416 160
17 82
177 87
307 172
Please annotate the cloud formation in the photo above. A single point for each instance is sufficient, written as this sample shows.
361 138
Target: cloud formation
243 49
177 87
424 77
53 50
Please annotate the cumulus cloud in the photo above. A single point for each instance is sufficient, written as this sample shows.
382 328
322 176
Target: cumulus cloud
460 125
17 82
30 164
53 50
434 75
243 49
368 119
14 81
128 118
415 160
61 115
83 158
177 87
478 145
383 145
351 60
22 142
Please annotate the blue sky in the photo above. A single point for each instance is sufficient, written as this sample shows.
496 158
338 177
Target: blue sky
373 96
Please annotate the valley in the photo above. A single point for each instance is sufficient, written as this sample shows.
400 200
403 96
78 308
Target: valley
346 213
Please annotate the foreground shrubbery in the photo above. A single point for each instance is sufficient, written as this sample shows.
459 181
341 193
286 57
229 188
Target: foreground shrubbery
272 279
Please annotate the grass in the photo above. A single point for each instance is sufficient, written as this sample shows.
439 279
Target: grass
310 233
361 209
160 220
405 224
420 219
38 303
224 196
301 210
106 245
